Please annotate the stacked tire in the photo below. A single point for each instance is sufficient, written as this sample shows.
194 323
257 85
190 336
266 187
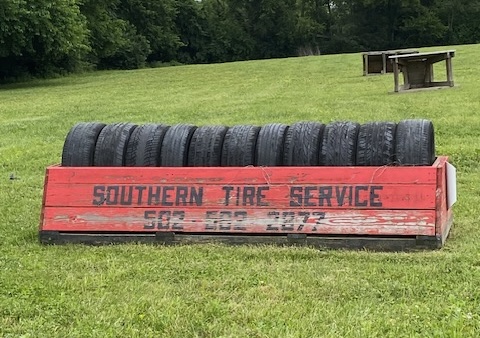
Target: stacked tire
344 143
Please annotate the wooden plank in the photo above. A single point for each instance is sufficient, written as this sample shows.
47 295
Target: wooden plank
414 56
396 75
354 196
271 205
365 64
440 84
384 63
377 243
449 71
273 221
46 187
243 175
444 217
377 62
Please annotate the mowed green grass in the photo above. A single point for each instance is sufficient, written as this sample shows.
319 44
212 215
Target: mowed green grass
247 291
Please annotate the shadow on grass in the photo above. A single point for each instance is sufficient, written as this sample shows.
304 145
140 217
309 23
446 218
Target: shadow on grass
35 83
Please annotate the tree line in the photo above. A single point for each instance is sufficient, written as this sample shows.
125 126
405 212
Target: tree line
44 37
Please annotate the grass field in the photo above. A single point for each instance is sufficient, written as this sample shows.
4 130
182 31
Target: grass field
220 291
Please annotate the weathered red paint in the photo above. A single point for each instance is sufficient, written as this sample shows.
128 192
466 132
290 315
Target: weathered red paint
245 175
342 222
384 201
393 196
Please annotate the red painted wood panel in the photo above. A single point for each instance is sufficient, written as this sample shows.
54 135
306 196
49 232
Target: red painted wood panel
267 221
396 201
234 197
244 175
443 214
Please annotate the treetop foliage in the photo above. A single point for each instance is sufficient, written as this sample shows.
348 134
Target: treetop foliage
44 37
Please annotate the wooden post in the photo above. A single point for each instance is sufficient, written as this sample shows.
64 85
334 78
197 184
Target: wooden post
384 62
395 74
449 69
365 64
428 74
406 77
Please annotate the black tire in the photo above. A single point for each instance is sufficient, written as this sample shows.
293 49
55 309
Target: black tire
206 146
303 143
239 146
79 147
111 145
339 146
175 145
415 142
144 146
376 144
270 144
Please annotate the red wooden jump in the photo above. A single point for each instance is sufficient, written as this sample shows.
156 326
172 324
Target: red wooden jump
373 207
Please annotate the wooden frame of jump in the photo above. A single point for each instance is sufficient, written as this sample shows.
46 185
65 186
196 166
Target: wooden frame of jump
377 62
417 70
385 208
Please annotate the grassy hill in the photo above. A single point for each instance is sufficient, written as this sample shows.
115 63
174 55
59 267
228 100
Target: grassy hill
219 291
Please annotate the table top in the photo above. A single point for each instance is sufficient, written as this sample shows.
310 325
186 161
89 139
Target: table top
394 51
425 55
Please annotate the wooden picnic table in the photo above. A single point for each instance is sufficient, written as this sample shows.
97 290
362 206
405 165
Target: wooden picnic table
376 62
417 70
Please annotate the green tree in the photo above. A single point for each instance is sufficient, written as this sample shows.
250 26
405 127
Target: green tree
40 37
115 42
190 29
154 20
311 25
272 25
421 26
461 19
385 24
224 34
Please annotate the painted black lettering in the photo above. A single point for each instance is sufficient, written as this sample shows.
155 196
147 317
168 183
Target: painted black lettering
126 195
325 195
98 194
227 189
248 196
112 195
375 198
163 222
225 219
153 195
306 216
340 193
275 216
240 218
319 215
166 196
177 220
140 189
237 200
211 220
296 197
288 221
182 194
308 196
196 196
350 195
260 196
149 215
358 202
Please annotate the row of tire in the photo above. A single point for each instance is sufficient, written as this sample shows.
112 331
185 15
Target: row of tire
345 143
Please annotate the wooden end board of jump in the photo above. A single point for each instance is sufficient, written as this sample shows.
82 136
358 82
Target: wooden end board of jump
387 208
417 70
377 62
